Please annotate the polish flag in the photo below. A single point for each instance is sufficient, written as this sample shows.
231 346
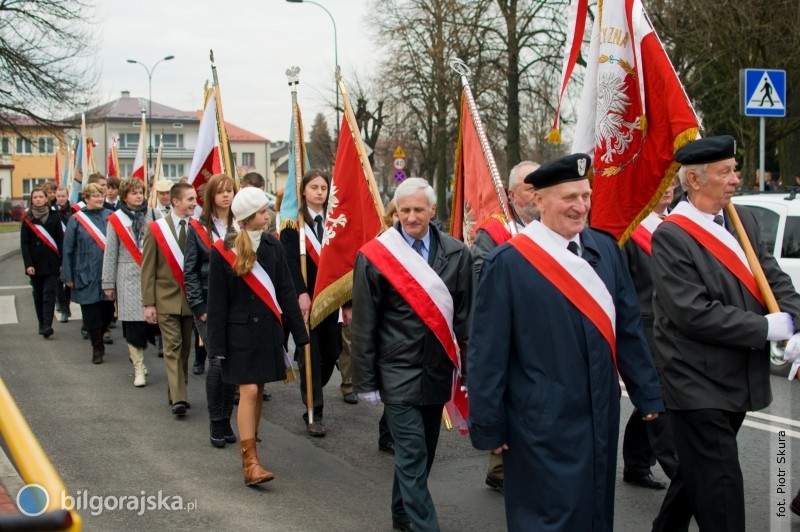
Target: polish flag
140 163
206 161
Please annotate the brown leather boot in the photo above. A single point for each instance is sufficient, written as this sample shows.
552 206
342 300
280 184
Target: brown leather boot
98 349
253 472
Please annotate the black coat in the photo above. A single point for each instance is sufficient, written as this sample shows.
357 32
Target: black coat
38 254
242 328
195 271
710 332
392 349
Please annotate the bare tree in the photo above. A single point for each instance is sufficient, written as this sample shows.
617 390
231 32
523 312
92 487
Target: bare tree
44 47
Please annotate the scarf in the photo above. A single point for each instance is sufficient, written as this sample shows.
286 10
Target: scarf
255 238
40 213
137 216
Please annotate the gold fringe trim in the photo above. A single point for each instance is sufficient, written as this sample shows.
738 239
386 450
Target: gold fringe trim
681 139
643 124
554 137
291 224
331 298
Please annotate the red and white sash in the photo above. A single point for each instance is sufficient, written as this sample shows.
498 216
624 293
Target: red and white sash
94 231
121 223
574 277
643 234
168 245
427 295
497 230
77 207
717 241
257 279
203 233
43 235
313 246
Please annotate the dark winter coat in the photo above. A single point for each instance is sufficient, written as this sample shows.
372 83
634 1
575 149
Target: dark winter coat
38 254
83 259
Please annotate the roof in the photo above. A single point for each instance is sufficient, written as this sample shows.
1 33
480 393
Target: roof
127 107
236 133
17 120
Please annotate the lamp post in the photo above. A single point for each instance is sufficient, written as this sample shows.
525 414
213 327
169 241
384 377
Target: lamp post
150 103
335 54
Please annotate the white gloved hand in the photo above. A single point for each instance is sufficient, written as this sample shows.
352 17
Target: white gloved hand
372 398
793 372
780 326
792 351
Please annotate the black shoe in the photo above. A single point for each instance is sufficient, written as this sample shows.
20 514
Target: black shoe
107 339
495 483
266 396
198 369
84 334
217 437
351 398
179 408
227 431
48 332
795 505
403 527
64 317
315 429
645 481
387 447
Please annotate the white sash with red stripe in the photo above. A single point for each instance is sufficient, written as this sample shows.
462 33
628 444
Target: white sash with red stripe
643 234
257 279
94 231
77 207
313 246
203 233
43 235
717 241
574 277
429 298
169 247
122 223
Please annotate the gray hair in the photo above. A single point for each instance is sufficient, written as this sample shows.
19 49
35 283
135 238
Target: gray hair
515 176
411 186
683 171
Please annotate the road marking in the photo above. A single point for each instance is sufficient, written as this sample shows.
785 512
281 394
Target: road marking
775 419
8 310
23 287
770 428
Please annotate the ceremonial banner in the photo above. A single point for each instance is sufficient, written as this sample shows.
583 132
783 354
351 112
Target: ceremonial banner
633 115
113 169
206 160
474 196
289 209
352 221
140 162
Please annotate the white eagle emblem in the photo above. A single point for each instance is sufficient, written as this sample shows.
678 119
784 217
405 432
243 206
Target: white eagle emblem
611 127
332 222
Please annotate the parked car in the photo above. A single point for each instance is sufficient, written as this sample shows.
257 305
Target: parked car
18 208
778 216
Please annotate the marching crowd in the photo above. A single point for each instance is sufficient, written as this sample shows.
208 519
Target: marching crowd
524 338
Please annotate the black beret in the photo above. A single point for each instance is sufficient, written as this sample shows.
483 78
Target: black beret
570 168
707 150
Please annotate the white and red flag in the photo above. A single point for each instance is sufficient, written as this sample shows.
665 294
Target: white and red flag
140 162
633 115
206 160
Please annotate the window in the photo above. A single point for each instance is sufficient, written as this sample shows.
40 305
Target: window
46 145
24 145
128 140
170 140
248 159
5 146
125 170
174 171
28 184
768 222
791 238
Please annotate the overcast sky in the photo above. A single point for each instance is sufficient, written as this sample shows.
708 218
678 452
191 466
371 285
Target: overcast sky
254 42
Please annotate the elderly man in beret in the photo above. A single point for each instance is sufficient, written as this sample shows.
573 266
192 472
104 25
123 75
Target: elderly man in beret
543 384
712 335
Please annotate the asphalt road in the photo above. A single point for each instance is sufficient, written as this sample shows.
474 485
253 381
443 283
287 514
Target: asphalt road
108 439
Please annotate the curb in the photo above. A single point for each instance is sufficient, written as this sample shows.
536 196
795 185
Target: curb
10 484
9 254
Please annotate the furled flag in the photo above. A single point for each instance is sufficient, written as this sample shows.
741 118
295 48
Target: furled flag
352 220
112 167
474 197
58 174
634 114
80 170
289 208
206 160
140 162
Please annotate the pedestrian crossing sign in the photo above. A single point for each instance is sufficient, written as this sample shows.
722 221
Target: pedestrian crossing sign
762 92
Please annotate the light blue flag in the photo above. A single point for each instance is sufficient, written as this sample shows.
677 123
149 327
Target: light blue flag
77 186
289 206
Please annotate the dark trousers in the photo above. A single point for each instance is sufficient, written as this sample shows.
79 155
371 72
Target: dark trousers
647 441
218 394
62 296
200 353
44 298
326 344
415 430
709 481
384 434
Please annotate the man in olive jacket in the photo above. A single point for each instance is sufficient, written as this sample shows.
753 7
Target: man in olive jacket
397 355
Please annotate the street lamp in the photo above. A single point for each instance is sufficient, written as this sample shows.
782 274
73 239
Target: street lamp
150 100
335 54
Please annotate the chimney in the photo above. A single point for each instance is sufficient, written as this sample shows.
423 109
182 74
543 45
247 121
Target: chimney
126 94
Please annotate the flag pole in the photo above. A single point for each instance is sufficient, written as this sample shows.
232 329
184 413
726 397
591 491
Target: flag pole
293 76
362 151
228 168
156 174
115 155
463 70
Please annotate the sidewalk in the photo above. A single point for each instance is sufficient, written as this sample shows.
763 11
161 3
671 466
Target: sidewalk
9 245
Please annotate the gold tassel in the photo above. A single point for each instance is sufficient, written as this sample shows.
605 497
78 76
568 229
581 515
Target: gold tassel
448 424
554 137
291 376
643 124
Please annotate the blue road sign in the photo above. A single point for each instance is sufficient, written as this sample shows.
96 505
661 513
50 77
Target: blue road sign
762 92
399 176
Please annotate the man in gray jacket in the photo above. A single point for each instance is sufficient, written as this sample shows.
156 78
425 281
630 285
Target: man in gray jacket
412 296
